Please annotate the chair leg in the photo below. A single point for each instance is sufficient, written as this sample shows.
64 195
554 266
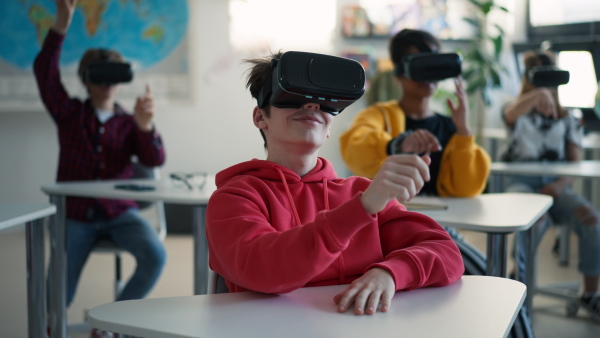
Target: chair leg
118 279
563 246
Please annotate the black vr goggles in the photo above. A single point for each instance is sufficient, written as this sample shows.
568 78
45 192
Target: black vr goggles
108 73
548 74
429 67
299 77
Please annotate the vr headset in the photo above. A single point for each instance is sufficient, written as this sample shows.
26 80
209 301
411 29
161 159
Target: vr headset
108 73
548 74
299 77
429 67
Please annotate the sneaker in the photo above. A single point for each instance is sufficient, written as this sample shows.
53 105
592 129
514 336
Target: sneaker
97 333
591 304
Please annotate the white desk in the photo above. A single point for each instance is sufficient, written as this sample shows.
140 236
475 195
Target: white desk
582 169
164 191
497 215
589 169
32 215
474 306
590 142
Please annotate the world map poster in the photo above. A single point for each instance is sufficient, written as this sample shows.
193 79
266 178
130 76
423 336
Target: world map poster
150 34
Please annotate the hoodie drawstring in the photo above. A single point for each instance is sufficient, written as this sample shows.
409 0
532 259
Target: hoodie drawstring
341 271
289 195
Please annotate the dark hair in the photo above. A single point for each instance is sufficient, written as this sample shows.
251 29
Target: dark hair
406 38
258 74
96 55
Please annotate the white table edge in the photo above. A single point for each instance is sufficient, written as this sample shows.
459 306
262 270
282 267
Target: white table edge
49 210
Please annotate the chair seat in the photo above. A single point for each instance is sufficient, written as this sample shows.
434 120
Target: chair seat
107 246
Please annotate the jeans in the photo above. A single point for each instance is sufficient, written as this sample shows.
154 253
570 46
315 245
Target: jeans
561 212
129 231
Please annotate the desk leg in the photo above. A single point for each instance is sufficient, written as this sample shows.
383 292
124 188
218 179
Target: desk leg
200 251
36 296
530 264
496 254
58 273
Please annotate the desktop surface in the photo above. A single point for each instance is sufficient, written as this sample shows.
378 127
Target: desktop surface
474 306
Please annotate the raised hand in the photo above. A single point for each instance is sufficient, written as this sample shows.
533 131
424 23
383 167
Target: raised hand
460 111
64 14
375 287
400 177
544 103
144 110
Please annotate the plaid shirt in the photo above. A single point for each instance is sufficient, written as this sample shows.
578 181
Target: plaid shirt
89 149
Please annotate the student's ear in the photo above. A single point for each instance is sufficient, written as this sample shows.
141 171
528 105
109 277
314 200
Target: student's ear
328 132
259 117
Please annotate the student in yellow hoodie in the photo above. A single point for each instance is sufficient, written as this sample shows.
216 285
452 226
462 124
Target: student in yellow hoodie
459 167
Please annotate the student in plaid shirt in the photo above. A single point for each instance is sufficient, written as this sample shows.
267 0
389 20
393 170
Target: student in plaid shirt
97 140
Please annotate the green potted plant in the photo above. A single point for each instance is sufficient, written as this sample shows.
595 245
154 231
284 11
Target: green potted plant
482 66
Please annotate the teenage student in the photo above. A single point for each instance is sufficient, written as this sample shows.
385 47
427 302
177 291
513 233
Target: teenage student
408 125
288 222
541 130
97 139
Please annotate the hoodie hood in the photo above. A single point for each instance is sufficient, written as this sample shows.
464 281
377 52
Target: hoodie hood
267 170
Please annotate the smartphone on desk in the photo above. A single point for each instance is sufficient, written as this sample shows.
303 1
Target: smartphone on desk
134 187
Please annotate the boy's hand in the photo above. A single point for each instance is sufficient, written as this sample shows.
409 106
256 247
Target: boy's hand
375 287
401 177
544 103
460 112
64 15
144 110
421 141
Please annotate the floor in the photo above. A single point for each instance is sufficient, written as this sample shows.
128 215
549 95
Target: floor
95 288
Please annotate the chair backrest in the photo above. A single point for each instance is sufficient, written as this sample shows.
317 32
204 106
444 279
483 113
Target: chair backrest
141 171
216 283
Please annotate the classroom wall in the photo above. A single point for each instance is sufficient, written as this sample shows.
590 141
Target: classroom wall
211 132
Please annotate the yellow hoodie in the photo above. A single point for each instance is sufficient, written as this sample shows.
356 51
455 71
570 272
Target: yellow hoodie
464 167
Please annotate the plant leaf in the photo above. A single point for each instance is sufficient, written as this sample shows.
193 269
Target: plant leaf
495 77
486 7
499 28
476 3
477 84
497 41
502 8
472 22
468 74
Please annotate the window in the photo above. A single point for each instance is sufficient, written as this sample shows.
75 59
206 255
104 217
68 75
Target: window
582 87
260 25
555 18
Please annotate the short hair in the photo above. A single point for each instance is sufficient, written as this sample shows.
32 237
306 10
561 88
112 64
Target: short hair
96 55
406 38
258 74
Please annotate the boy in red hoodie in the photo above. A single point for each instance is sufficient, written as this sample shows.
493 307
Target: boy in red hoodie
288 222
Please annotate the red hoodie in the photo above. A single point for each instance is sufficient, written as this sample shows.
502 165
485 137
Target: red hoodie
272 231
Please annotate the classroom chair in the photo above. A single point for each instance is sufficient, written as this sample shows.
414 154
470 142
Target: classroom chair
216 283
153 211
568 291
